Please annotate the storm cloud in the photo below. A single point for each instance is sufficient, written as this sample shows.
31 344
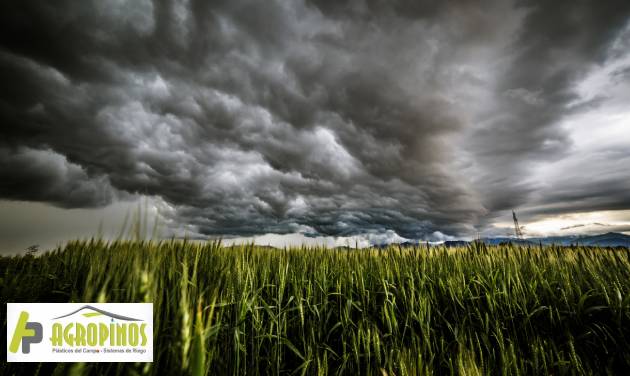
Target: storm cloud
324 117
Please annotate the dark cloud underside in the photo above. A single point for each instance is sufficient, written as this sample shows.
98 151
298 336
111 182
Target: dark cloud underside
255 117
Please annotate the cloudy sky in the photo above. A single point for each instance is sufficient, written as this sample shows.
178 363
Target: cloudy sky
370 120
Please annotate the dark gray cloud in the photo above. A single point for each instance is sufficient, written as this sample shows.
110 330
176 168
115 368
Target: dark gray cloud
255 117
47 176
558 44
604 185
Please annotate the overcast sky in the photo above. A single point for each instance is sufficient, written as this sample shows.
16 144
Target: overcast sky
370 120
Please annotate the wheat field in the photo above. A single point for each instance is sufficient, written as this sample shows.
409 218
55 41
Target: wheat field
314 311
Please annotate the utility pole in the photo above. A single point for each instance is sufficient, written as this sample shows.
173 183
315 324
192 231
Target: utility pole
517 228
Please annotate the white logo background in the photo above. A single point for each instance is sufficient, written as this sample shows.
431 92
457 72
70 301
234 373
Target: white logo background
44 313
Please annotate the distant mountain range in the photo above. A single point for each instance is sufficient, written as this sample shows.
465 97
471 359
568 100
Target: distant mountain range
610 239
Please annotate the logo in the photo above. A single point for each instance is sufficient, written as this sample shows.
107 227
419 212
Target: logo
79 332
25 333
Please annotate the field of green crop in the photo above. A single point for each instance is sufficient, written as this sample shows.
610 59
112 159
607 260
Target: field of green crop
425 310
